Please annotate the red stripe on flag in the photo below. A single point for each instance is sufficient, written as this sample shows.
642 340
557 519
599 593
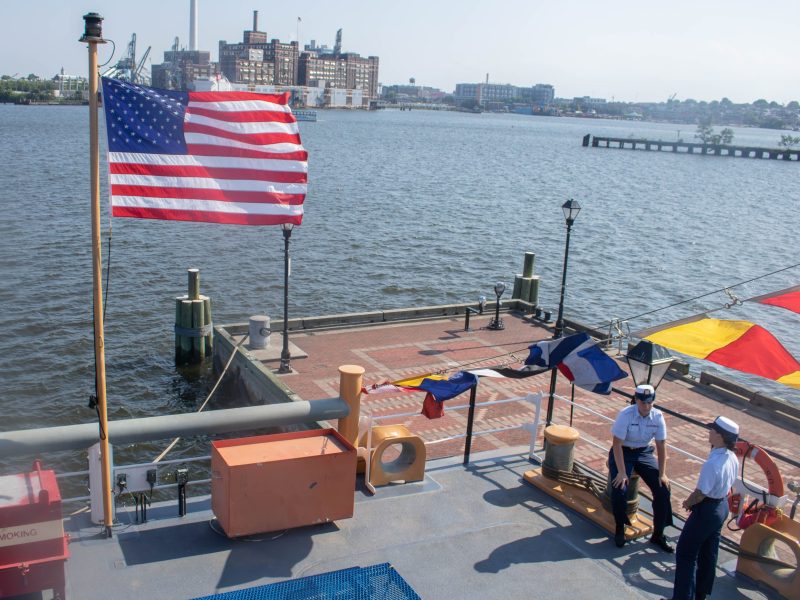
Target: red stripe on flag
244 116
212 150
247 138
145 191
203 216
229 96
758 352
789 301
565 371
206 172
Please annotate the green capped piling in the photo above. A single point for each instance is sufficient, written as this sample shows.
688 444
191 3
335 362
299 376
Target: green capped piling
526 285
193 324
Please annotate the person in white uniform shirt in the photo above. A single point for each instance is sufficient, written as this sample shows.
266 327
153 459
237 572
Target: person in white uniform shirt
698 546
633 430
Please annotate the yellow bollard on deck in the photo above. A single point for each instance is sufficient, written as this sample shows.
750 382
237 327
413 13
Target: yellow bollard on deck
560 445
350 383
759 561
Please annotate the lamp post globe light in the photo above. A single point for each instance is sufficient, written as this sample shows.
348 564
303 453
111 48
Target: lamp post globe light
497 322
648 363
571 209
285 357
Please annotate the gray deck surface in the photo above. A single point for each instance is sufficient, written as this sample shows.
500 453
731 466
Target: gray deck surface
480 532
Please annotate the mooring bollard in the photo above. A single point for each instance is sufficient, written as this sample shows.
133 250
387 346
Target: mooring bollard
259 331
560 446
193 324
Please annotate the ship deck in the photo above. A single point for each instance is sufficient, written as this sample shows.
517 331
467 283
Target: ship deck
465 532
476 532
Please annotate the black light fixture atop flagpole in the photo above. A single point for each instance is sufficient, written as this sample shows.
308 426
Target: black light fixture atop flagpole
285 356
497 322
571 209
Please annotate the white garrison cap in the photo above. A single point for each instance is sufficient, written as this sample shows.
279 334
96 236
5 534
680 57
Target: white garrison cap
725 425
645 392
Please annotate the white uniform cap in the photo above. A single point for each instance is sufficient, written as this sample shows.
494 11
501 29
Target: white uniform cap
725 425
645 392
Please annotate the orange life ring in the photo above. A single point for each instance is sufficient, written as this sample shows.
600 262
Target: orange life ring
759 510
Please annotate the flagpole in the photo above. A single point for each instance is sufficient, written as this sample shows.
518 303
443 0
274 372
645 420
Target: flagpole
470 418
93 35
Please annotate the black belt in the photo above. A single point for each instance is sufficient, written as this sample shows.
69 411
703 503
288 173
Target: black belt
710 499
635 447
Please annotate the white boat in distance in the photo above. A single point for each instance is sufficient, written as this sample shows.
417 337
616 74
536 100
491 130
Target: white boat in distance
305 115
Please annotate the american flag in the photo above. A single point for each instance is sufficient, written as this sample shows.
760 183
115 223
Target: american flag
216 157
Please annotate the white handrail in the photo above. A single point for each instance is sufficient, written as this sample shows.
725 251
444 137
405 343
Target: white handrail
535 399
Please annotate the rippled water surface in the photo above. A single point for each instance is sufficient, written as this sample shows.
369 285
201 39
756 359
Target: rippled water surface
403 208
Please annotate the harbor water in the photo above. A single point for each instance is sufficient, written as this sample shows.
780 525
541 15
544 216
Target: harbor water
404 208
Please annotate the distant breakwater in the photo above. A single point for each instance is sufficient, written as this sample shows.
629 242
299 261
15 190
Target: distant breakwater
691 148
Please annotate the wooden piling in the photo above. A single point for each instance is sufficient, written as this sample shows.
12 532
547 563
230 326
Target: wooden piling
517 287
526 285
208 320
194 284
527 268
199 342
186 323
193 338
525 289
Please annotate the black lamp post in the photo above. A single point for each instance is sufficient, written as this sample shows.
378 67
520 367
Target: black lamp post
497 322
285 356
571 209
648 362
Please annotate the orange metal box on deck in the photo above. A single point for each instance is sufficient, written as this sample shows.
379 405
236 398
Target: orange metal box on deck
274 482
33 546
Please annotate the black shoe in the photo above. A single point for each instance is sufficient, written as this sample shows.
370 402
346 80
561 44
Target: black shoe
619 537
661 542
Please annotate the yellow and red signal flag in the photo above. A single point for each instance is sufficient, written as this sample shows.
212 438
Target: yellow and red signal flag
788 299
739 345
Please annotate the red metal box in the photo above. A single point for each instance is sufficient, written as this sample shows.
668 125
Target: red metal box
33 546
274 482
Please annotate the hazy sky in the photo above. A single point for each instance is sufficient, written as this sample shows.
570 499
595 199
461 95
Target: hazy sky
625 50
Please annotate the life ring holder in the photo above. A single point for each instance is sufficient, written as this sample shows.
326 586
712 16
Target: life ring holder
765 505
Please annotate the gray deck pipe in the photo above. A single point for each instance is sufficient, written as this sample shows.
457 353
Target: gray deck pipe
76 437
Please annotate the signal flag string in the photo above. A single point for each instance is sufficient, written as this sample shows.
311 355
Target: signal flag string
724 289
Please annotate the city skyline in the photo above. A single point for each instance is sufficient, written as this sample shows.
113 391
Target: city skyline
617 51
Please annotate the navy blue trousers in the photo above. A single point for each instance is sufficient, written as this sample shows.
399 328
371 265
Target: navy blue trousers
646 465
698 547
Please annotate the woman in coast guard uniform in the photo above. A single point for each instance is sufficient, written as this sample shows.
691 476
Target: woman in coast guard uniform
698 546
633 430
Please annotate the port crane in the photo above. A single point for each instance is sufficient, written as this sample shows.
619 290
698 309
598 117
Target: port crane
128 69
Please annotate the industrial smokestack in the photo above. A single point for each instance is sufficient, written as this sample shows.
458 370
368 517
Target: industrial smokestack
487 79
192 24
255 20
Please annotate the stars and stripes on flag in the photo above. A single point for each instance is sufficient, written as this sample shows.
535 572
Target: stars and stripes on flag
215 157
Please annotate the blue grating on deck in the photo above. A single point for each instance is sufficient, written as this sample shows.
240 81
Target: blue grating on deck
378 582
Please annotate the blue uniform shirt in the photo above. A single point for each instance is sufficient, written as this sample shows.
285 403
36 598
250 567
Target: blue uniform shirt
718 473
637 431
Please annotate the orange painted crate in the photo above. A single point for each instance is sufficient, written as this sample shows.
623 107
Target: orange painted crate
275 482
